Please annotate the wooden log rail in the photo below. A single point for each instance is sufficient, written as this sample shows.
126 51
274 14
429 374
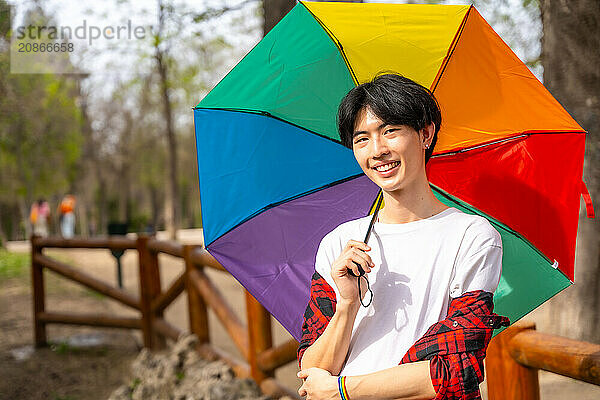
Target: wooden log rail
39 261
254 341
515 356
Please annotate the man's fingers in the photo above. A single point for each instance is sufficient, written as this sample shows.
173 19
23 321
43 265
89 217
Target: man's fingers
360 260
302 391
358 245
302 374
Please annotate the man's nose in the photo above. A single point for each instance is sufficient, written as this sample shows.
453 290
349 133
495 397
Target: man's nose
379 147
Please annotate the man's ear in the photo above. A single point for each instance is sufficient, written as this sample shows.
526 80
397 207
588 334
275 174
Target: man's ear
427 134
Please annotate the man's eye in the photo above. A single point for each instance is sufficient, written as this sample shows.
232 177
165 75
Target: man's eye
358 140
391 130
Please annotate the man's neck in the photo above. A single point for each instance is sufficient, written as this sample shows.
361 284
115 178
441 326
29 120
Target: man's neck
410 204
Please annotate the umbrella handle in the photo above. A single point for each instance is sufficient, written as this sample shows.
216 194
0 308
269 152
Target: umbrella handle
361 271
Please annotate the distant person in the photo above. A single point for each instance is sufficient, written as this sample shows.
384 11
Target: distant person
67 216
39 217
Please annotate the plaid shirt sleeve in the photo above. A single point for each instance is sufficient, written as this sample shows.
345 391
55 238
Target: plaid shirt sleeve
319 311
456 346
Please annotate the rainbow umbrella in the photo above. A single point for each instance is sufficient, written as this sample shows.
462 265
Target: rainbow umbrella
274 178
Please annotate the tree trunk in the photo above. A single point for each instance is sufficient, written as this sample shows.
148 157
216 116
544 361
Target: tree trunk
3 238
24 211
172 192
571 60
273 11
125 170
102 203
154 201
84 182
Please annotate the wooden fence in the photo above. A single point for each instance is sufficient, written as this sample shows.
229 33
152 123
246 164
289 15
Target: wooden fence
513 357
253 340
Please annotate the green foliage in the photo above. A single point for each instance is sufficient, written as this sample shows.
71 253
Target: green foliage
4 18
62 348
40 131
13 265
531 3
135 383
40 135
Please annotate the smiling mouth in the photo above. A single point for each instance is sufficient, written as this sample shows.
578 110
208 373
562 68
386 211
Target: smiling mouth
386 167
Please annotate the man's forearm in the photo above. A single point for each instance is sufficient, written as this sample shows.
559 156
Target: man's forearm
407 381
329 351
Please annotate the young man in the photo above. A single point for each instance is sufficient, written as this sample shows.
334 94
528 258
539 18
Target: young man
432 268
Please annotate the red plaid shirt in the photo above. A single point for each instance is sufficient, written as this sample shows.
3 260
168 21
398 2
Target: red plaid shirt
455 346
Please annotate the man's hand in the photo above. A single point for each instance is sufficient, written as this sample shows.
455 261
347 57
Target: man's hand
354 251
318 385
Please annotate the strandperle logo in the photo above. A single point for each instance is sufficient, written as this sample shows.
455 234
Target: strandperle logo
82 32
41 49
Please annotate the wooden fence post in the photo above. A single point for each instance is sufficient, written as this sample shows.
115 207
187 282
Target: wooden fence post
198 313
149 290
39 299
259 336
506 378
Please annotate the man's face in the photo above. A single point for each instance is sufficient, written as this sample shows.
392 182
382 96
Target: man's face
392 156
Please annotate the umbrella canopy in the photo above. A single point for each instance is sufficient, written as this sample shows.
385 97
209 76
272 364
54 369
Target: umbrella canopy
274 177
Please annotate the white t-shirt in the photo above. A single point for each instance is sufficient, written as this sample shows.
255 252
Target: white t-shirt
419 267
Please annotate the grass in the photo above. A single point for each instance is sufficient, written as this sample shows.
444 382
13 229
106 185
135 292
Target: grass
62 348
134 384
13 265
92 293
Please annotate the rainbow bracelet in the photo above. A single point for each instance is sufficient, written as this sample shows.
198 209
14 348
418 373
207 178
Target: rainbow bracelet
342 388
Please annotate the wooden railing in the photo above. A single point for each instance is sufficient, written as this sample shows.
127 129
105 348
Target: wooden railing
513 357
254 340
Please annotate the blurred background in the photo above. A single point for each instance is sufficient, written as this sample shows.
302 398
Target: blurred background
116 130
104 138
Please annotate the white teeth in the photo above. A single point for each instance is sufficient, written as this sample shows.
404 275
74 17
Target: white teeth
387 167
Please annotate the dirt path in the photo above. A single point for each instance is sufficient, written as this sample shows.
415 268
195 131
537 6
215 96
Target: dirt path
80 363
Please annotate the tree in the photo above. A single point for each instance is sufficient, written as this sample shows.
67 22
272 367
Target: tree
570 57
40 133
273 11
162 57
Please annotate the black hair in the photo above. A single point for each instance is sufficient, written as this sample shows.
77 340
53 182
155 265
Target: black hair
396 100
